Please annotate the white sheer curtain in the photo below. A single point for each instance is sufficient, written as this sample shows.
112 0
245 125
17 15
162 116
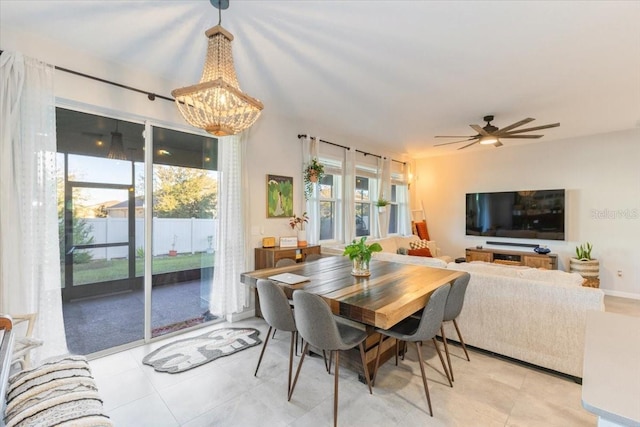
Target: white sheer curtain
404 204
29 251
228 295
311 150
349 194
384 192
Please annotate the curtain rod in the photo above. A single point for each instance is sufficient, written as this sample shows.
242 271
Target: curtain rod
347 148
150 95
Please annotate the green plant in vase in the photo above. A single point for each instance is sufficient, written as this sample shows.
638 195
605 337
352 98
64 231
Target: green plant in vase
360 254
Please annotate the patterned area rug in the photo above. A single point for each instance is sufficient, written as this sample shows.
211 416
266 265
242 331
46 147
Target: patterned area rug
182 355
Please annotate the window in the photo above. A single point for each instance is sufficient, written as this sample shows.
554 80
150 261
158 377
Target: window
393 210
363 205
330 195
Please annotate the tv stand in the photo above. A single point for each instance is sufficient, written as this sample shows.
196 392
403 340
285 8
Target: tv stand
499 256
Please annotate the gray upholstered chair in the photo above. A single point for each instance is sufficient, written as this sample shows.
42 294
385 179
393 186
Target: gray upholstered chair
319 328
278 315
312 257
285 261
418 330
452 310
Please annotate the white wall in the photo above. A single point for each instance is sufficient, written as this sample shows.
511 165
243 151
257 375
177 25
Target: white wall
599 172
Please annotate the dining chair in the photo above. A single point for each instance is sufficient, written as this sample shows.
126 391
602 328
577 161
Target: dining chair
417 330
452 310
285 262
312 257
319 328
278 315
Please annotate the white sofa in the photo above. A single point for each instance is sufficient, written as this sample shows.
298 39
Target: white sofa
533 315
391 245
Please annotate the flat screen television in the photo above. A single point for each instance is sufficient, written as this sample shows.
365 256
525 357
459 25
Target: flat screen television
530 214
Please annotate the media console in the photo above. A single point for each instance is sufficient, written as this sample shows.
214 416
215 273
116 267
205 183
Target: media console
499 256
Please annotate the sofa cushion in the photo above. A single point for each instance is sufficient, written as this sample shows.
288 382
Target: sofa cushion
487 268
557 277
420 252
408 259
388 244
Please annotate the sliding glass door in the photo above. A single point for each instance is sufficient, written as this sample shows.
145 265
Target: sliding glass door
184 230
103 208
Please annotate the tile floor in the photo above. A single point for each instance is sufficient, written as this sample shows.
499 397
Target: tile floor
488 391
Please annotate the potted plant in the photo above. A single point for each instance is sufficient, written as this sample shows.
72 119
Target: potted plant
360 254
382 203
584 264
173 251
313 172
297 223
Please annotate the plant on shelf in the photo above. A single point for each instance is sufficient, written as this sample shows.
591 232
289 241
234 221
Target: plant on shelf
360 254
313 172
298 221
583 252
585 265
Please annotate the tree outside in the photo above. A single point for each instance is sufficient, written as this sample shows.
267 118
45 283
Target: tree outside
184 193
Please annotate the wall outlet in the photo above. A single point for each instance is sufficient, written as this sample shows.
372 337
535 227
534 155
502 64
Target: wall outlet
619 273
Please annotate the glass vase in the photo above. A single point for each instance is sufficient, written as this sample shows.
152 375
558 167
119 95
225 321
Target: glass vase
360 267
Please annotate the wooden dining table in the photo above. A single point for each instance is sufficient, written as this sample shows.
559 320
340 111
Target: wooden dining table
390 294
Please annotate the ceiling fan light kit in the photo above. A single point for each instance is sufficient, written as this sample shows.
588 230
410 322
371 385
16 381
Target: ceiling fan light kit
491 135
216 104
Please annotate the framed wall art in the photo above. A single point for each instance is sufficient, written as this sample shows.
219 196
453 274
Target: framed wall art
279 196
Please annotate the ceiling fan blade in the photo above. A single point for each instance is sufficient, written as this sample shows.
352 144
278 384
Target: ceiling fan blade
478 129
454 142
453 136
553 125
468 145
516 124
521 136
498 144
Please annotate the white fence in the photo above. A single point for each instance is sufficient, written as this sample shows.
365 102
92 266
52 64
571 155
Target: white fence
185 235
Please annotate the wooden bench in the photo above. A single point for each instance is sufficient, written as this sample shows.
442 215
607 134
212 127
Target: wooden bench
60 391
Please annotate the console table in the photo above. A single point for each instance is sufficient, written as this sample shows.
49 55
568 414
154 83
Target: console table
267 257
499 256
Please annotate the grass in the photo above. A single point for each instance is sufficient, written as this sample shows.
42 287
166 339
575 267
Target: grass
103 270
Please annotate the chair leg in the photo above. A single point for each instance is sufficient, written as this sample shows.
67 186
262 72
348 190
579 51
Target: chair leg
375 369
274 333
294 338
264 346
327 366
446 350
464 347
365 367
446 371
424 377
335 389
295 379
397 351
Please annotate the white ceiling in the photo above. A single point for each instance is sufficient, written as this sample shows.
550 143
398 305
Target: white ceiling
395 73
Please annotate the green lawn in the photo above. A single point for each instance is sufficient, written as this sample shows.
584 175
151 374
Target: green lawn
103 270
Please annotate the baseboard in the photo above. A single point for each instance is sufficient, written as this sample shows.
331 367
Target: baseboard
621 294
236 317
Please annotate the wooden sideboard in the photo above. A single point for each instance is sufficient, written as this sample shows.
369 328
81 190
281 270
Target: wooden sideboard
267 257
499 256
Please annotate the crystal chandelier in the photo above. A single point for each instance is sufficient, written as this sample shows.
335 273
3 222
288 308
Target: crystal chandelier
217 104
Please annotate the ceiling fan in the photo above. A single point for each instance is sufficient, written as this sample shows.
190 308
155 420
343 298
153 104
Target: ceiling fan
490 134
